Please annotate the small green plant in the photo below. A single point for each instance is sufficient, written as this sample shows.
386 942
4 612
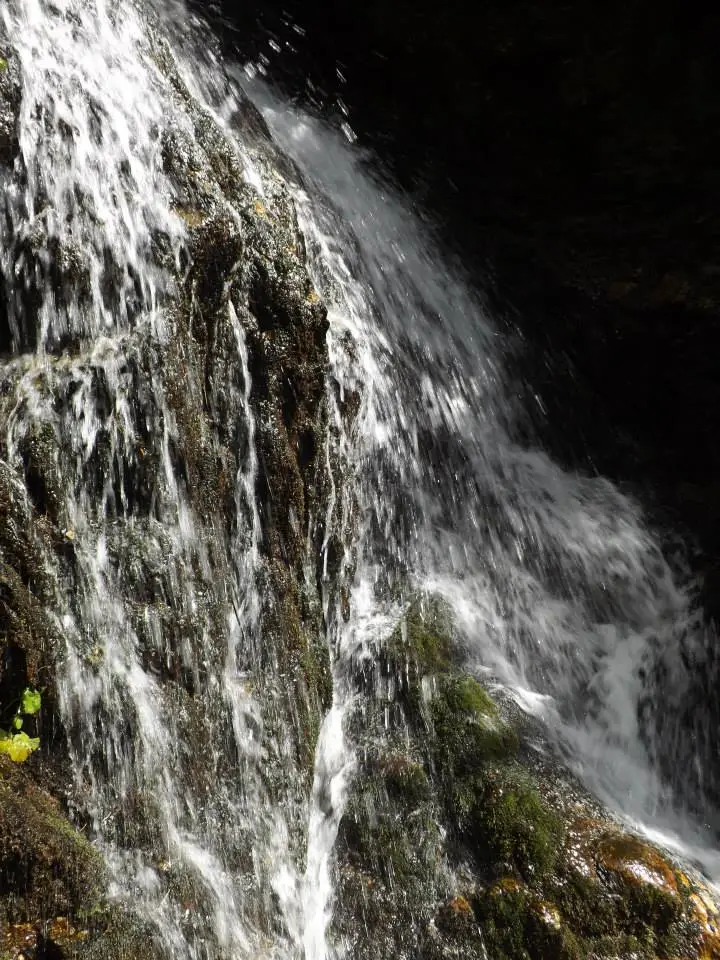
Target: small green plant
18 745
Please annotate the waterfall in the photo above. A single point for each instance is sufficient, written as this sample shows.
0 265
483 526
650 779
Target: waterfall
138 385
561 591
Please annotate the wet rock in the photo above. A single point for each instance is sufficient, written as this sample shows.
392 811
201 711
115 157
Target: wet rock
29 634
48 869
636 864
10 95
237 344
446 798
456 916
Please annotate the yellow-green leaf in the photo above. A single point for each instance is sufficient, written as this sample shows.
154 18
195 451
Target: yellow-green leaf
17 723
31 700
19 747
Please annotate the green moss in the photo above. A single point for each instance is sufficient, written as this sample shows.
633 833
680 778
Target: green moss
464 695
502 915
518 926
650 907
585 905
621 919
312 696
406 782
48 867
315 667
645 880
394 843
3 65
511 823
113 934
548 942
468 730
422 641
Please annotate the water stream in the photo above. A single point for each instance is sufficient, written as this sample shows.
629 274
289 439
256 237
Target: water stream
560 590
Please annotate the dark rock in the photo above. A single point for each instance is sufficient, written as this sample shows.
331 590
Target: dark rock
10 95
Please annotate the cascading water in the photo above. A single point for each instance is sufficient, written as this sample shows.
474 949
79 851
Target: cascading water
192 789
561 592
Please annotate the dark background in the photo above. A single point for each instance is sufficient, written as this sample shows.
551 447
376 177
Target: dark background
569 152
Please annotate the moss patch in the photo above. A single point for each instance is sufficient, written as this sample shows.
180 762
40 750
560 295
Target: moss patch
517 925
444 784
511 823
47 868
405 781
422 641
469 732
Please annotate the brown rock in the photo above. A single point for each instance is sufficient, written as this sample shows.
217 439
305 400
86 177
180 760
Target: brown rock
636 863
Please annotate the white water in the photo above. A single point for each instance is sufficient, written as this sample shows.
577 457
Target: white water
560 590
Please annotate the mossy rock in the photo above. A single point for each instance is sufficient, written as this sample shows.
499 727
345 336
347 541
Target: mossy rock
405 780
573 886
390 830
469 732
517 925
422 641
106 934
47 867
53 896
510 823
40 453
394 848
644 878
621 897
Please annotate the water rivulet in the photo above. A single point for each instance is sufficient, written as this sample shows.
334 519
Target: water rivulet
330 664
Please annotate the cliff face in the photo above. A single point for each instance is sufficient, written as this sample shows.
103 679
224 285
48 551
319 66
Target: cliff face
211 413
163 489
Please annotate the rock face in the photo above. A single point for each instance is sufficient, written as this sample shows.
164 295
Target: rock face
210 412
226 400
10 100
